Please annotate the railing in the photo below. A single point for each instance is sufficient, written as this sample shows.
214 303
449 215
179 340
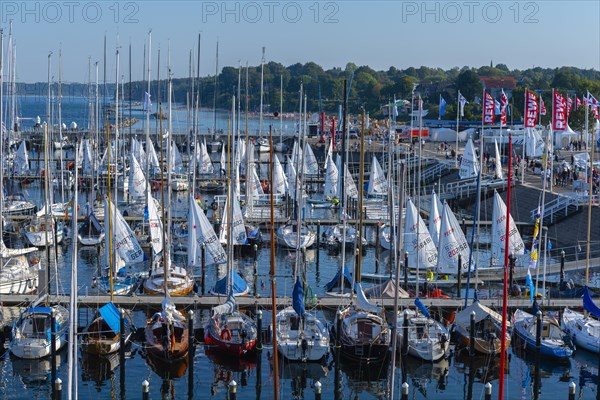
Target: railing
559 207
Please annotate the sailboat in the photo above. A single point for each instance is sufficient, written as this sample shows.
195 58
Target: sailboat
378 185
488 329
418 243
167 334
516 245
365 336
228 330
31 337
452 243
428 339
301 336
554 342
179 180
102 336
91 232
17 275
584 329
469 165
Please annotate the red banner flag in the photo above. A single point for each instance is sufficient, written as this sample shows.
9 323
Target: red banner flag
531 109
569 106
577 103
503 105
595 111
488 109
559 112
542 106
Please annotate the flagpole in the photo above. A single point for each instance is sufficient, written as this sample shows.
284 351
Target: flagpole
524 140
457 121
544 163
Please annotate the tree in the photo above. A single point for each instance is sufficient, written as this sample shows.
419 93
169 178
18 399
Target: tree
469 84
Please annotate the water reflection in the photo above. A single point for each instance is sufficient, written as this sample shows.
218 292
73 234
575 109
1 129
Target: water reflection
98 368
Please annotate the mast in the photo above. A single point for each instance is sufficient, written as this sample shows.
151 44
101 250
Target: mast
60 135
46 173
112 257
458 108
505 286
116 200
147 98
1 135
230 200
591 195
170 144
272 274
215 94
361 190
262 77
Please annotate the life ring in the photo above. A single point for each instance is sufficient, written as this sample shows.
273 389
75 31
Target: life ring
226 334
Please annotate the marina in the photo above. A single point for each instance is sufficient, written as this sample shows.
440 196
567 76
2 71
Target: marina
167 248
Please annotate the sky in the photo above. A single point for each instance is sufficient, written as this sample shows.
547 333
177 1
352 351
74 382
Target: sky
445 34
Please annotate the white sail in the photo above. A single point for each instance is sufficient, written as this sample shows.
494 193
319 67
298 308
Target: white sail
417 241
138 152
223 165
499 173
156 226
152 158
279 182
87 162
137 181
311 166
255 186
351 190
516 245
176 162
469 166
238 229
331 179
124 242
377 181
202 233
435 219
21 161
205 165
452 243
329 154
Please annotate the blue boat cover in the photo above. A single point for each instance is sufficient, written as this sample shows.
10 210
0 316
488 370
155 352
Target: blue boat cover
239 286
336 279
298 297
38 310
112 316
588 303
422 307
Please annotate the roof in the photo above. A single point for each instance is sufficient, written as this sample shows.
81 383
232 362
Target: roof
481 312
498 82
386 290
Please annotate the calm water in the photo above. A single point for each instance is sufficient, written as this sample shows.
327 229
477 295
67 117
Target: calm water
458 377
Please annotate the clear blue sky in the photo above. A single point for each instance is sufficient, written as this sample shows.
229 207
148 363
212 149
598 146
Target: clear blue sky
331 33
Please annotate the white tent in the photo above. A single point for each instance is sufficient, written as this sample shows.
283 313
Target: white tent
562 138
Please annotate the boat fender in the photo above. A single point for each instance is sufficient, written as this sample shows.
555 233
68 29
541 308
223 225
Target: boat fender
226 334
29 283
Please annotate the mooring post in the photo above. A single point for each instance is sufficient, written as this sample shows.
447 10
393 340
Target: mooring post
233 390
318 388
145 390
53 348
572 387
488 391
458 276
405 333
562 270
538 349
58 389
405 390
122 336
259 337
338 348
203 260
472 335
406 271
191 352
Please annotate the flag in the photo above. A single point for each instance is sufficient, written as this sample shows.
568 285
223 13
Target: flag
595 111
503 107
395 109
591 100
531 109
147 101
577 103
529 282
462 101
559 112
442 106
496 106
542 106
488 109
536 231
549 245
569 106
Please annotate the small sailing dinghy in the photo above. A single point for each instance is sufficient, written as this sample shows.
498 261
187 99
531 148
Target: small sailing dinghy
91 233
167 334
555 343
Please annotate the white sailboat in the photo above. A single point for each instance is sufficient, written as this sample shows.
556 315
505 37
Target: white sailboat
418 243
516 245
498 161
238 229
201 233
452 243
435 218
428 339
469 165
378 184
